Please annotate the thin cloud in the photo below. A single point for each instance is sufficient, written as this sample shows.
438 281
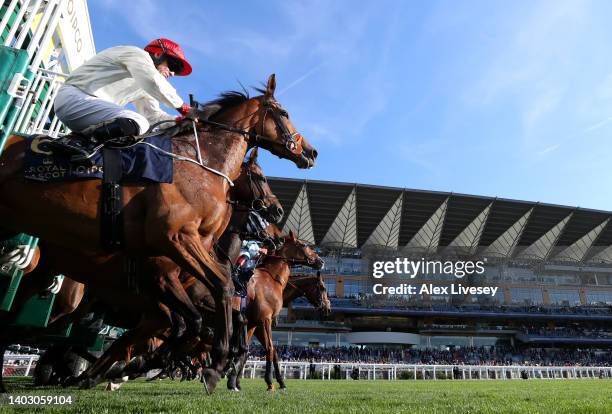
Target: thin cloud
301 78
598 125
549 149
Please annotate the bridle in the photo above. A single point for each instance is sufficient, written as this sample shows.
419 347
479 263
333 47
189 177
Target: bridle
256 187
303 292
291 141
258 196
307 261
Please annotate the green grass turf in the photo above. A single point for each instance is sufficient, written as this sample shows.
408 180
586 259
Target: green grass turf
316 396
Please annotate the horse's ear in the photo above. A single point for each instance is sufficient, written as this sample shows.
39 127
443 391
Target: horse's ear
271 86
291 235
253 156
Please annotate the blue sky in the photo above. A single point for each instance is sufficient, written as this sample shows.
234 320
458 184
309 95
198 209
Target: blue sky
495 98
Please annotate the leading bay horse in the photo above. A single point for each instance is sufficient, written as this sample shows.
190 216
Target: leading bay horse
272 290
177 220
250 192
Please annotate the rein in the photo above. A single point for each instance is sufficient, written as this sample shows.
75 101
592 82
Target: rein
183 158
289 139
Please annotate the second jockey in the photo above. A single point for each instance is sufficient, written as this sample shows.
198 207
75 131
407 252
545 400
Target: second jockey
92 100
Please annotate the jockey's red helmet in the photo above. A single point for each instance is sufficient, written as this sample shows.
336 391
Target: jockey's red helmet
172 50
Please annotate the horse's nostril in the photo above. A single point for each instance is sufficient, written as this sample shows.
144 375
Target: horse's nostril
280 212
314 153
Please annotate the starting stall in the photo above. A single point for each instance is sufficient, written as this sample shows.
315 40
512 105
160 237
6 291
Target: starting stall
41 41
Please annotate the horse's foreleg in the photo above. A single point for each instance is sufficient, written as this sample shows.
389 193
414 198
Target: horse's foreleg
175 297
151 324
263 332
277 372
222 335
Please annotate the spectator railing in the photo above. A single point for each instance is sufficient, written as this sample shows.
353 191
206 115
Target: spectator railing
363 371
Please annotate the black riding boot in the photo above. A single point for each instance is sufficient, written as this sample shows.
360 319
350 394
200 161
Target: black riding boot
122 130
81 145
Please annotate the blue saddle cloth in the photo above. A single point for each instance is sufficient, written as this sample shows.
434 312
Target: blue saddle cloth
140 163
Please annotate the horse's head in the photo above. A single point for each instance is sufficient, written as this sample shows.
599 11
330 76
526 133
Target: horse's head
315 291
276 132
299 253
251 188
262 121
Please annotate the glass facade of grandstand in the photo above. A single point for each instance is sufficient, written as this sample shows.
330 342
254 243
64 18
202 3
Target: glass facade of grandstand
552 266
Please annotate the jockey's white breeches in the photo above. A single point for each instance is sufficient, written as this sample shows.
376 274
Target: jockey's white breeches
78 110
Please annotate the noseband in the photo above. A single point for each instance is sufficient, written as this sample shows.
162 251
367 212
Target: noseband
289 139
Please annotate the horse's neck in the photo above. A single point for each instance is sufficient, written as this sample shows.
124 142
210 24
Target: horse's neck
278 269
297 289
292 292
224 150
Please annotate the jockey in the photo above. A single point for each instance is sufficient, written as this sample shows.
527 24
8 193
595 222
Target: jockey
91 101
250 254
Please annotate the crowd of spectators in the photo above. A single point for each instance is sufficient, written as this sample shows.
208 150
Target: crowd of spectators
568 332
459 356
373 302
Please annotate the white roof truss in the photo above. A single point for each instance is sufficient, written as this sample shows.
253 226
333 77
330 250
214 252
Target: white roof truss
504 245
299 219
542 247
343 231
386 233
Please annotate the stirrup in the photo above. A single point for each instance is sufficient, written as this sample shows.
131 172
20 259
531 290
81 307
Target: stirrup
68 145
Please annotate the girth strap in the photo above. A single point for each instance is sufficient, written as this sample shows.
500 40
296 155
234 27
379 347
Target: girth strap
111 217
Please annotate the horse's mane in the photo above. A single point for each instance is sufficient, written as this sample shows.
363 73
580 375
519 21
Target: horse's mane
229 99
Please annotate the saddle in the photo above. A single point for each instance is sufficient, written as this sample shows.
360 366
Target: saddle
118 133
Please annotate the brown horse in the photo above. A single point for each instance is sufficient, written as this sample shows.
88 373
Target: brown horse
310 286
250 191
265 292
177 220
277 288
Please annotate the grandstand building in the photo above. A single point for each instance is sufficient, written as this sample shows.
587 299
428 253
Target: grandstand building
552 266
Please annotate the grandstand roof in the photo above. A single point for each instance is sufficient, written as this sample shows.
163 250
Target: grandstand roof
347 215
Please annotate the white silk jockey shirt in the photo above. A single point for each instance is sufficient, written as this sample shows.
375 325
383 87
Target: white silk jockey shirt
127 74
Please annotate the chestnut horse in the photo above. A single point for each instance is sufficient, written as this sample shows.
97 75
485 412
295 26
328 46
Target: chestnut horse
250 191
310 286
177 220
277 289
265 292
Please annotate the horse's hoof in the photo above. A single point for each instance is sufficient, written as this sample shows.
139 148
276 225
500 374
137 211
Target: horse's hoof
283 387
88 383
116 370
135 366
71 381
210 380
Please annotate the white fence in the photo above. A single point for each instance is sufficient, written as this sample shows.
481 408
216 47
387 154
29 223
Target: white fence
363 371
23 365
